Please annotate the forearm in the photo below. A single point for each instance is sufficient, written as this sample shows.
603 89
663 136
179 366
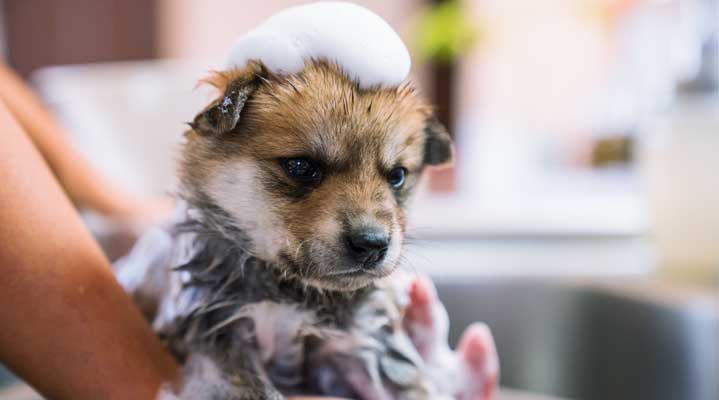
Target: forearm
68 328
83 184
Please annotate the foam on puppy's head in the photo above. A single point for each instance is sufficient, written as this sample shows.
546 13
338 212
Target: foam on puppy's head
351 36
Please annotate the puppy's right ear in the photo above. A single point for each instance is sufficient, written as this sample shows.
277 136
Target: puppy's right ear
438 143
223 114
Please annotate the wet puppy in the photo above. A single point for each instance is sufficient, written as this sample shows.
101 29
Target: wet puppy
274 278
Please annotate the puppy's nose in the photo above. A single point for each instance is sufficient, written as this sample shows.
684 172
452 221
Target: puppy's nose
368 246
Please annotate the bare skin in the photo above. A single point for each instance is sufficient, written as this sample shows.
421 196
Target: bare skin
75 334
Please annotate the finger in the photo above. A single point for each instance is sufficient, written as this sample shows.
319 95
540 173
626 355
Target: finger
421 319
479 355
422 295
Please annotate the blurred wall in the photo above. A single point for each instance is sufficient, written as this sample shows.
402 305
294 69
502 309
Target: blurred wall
39 33
192 28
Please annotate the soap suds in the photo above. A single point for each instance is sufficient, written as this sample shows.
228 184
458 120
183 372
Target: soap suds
358 40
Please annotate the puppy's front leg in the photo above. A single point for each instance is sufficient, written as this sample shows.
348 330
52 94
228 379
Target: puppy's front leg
369 367
375 359
227 366
206 378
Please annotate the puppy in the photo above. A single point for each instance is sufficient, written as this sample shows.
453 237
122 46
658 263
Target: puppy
274 277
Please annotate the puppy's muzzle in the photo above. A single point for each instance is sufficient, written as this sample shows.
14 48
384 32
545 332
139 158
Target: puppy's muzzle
367 246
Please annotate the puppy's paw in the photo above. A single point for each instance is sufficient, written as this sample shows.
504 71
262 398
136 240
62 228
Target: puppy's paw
478 356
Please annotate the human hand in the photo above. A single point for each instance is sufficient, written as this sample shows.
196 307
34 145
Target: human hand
427 324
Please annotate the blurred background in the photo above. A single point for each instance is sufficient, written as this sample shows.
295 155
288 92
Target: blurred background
581 217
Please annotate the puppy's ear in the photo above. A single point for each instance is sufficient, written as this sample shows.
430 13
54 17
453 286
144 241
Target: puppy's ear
223 114
437 144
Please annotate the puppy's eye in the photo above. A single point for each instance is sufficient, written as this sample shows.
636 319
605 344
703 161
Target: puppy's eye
396 177
302 169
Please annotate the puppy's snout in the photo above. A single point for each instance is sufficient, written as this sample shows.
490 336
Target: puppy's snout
367 246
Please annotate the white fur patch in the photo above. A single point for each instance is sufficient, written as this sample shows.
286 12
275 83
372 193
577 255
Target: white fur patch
277 326
279 329
395 246
234 189
203 379
136 268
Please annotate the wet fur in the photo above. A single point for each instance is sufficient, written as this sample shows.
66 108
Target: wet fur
250 244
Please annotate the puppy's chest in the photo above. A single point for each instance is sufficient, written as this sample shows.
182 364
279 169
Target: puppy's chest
281 335
225 304
218 291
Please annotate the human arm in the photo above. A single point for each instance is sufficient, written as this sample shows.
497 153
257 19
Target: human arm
68 327
85 186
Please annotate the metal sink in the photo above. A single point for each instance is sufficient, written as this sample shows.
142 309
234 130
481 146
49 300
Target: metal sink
600 338
590 341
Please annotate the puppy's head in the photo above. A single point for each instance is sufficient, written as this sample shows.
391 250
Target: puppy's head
314 170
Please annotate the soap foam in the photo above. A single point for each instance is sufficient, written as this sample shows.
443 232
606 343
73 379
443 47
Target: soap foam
358 40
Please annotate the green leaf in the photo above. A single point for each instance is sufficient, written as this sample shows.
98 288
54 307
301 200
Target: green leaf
444 32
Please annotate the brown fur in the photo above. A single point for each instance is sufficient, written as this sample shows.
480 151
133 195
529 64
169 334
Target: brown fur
358 136
261 264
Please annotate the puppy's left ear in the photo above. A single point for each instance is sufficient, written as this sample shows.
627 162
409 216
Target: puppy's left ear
437 144
223 114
